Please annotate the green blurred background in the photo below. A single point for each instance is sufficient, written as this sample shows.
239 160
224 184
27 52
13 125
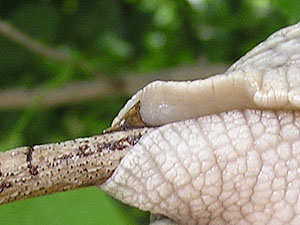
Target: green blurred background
92 41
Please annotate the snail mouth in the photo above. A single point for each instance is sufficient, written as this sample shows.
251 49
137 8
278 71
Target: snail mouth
131 120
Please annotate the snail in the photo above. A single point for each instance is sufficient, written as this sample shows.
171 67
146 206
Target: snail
226 149
223 150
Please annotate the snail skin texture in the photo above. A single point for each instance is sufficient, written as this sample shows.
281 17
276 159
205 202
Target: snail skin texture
226 149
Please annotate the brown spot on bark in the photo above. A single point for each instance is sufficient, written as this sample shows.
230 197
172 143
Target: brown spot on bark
120 144
83 150
29 154
117 145
5 186
132 140
31 169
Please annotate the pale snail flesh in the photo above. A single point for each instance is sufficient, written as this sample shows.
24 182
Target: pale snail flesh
227 149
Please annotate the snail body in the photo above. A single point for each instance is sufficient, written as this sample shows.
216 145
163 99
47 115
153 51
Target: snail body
225 149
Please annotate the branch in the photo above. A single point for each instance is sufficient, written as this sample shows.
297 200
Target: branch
78 92
72 93
35 46
33 171
27 172
83 91
21 38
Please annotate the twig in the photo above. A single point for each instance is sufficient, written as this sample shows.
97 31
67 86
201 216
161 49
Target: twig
37 47
72 93
33 171
83 91
44 169
103 86
78 92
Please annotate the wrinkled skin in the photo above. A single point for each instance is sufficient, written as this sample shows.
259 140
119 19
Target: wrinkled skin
214 160
239 167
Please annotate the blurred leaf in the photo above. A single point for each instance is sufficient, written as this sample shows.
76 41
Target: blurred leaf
71 6
165 15
38 20
289 8
115 46
155 40
15 137
262 7
12 59
148 5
